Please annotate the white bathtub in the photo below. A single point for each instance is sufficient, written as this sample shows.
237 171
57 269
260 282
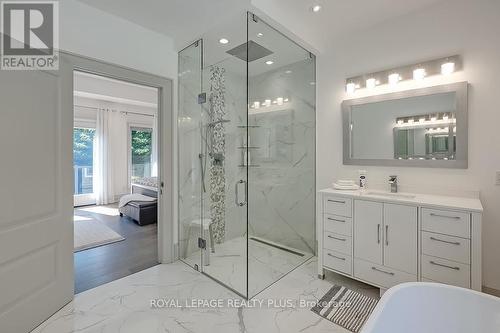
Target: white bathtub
434 308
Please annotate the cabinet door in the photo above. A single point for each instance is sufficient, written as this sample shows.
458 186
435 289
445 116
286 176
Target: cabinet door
368 230
400 237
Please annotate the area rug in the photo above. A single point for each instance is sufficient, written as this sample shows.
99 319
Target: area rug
91 233
345 307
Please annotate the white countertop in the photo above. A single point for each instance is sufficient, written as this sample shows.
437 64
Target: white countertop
427 200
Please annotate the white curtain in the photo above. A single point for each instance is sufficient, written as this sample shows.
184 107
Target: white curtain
103 171
154 155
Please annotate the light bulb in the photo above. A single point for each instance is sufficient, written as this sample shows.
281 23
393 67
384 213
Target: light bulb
371 83
269 62
394 79
316 8
419 74
256 104
447 68
279 100
223 40
350 88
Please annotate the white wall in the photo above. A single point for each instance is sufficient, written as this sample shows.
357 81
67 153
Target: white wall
90 32
468 28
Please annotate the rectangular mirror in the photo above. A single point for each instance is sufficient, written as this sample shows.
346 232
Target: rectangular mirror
422 127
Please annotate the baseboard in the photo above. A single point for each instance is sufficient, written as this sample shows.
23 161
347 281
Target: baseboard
491 291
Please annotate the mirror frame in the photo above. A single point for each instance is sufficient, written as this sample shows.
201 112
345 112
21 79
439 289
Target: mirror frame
461 162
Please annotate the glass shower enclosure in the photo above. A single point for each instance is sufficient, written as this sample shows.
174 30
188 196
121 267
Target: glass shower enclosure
246 155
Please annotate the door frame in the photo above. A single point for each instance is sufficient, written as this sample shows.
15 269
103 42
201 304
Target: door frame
165 136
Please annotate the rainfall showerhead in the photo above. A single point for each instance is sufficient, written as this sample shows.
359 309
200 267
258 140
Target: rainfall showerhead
255 51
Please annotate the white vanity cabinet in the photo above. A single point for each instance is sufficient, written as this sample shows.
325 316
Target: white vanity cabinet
385 250
385 240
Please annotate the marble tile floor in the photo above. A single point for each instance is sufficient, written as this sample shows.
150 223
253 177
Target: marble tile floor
266 264
124 306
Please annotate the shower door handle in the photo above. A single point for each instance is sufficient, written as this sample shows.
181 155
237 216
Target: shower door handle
237 191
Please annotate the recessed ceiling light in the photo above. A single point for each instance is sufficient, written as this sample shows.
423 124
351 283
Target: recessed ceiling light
223 40
316 8
260 34
288 72
269 62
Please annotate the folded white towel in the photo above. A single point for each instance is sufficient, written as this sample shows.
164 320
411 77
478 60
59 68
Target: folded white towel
345 182
345 187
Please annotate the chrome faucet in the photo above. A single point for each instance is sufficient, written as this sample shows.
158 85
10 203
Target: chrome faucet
393 181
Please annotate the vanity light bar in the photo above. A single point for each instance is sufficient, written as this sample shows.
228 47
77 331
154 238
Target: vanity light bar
426 120
417 72
267 103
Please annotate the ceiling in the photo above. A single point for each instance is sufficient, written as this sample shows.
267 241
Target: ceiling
182 20
186 20
111 90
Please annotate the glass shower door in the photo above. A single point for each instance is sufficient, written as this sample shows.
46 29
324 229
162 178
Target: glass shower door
213 191
224 136
189 161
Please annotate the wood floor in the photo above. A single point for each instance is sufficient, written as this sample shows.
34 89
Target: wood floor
107 263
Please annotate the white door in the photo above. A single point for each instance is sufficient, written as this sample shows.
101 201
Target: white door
400 237
36 227
368 224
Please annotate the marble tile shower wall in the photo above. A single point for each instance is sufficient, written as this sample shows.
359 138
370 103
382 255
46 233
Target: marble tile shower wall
191 197
282 187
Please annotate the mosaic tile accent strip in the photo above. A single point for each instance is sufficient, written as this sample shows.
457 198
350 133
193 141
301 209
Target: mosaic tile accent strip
218 149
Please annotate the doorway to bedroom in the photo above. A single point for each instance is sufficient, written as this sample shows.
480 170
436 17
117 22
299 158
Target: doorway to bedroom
115 162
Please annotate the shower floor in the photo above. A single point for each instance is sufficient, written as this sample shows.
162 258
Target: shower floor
266 264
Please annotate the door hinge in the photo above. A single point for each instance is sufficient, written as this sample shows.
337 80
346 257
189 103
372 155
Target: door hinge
202 98
202 243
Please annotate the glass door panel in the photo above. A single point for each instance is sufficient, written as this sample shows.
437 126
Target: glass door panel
281 122
189 148
141 151
83 165
225 161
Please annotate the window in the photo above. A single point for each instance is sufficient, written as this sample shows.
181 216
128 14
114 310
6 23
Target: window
141 152
83 159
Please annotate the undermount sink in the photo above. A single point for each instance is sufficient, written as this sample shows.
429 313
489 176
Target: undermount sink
391 195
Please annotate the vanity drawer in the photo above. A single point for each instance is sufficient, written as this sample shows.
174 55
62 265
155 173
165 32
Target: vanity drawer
446 222
447 247
338 243
445 271
338 206
337 261
380 275
338 224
